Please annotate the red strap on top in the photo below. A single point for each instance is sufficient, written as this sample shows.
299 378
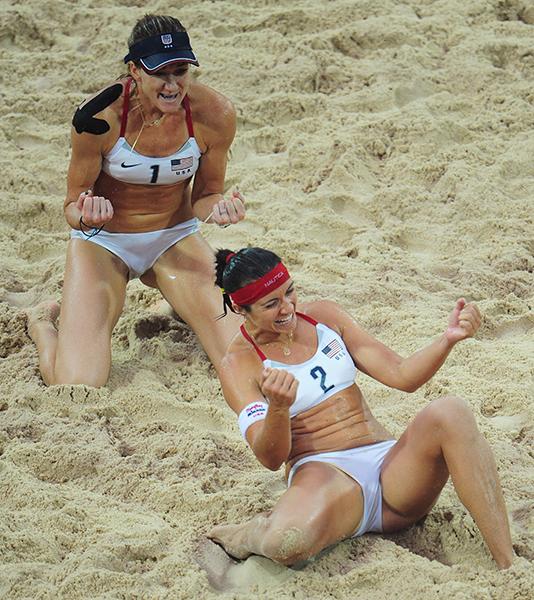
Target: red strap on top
188 117
309 319
258 351
249 339
125 106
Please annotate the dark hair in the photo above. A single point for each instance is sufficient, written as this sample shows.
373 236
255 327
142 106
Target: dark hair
243 267
151 25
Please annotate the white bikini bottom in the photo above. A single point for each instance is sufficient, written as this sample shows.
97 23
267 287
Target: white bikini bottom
139 251
363 464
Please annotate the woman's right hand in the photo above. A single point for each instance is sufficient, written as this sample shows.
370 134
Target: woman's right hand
95 211
279 386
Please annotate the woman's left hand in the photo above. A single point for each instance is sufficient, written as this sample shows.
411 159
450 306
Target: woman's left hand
229 211
464 321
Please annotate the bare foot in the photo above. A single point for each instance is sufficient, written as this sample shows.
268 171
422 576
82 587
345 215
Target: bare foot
225 574
162 307
44 315
214 560
230 537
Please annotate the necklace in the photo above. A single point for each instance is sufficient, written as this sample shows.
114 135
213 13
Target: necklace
286 347
155 123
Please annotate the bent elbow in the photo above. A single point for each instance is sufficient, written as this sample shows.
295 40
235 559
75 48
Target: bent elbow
408 387
271 464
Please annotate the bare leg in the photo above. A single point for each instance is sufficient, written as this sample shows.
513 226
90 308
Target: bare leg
93 296
185 275
444 439
321 507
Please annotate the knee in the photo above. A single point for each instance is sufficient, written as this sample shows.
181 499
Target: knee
94 380
451 414
287 545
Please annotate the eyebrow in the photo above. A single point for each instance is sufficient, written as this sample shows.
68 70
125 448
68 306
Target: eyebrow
289 289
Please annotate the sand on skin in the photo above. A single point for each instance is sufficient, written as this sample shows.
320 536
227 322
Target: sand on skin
385 150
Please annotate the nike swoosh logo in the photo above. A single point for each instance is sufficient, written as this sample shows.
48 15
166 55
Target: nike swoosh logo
125 166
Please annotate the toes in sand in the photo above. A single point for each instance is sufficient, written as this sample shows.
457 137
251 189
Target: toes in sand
230 537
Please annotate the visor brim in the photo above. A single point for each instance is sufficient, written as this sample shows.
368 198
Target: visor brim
157 61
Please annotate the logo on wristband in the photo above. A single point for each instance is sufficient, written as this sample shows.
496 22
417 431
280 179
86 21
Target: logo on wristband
255 410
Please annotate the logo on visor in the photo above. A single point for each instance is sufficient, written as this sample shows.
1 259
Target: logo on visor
166 39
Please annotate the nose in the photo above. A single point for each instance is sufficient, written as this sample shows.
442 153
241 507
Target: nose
285 306
172 81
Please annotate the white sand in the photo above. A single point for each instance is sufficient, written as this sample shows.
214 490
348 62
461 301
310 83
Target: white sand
386 152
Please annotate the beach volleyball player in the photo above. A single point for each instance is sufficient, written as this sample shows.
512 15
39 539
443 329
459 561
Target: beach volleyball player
290 378
148 164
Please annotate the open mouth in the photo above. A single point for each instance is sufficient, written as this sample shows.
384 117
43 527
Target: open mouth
285 321
168 97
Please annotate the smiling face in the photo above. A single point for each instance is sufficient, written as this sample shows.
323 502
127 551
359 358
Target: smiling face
165 88
274 313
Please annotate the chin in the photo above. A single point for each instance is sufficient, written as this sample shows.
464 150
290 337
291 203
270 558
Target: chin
172 106
165 107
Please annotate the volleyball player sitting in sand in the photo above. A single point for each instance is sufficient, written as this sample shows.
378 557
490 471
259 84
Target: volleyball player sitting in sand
148 165
290 378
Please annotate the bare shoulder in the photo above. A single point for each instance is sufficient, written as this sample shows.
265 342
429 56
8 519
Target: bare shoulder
329 313
240 358
240 373
211 109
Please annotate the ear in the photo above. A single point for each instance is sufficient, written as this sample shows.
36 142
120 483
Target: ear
135 71
238 309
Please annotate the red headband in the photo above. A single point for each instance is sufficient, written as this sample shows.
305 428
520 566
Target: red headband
261 287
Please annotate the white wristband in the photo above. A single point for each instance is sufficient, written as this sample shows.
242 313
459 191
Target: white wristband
255 411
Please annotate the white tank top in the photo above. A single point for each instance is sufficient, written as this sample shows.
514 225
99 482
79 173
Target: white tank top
127 165
330 370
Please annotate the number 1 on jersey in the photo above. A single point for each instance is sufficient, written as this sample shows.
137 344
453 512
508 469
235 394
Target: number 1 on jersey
155 173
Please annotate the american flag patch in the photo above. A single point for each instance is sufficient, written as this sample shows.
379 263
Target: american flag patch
179 164
331 349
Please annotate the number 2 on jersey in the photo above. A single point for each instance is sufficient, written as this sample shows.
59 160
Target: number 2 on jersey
317 372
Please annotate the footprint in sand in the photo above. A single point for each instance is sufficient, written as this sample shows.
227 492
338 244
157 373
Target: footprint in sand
405 94
524 516
226 574
31 142
351 209
523 522
424 542
222 31
151 326
514 328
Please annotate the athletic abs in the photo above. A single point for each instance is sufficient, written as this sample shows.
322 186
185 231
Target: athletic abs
138 208
342 421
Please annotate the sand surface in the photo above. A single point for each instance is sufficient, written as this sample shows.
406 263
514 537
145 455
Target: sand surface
386 151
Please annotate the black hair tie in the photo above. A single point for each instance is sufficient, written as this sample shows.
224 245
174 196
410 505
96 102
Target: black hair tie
94 230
